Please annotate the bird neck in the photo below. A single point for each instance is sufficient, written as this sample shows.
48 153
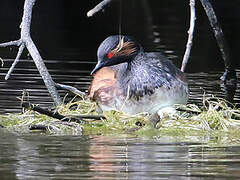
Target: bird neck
137 61
127 71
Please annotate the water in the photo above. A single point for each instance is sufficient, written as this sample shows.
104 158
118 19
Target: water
159 27
98 157
30 80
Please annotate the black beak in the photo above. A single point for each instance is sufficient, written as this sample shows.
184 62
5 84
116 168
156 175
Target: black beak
97 67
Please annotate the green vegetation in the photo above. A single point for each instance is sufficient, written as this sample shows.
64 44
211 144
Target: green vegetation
214 122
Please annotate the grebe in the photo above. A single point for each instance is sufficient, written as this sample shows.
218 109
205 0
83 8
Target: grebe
130 80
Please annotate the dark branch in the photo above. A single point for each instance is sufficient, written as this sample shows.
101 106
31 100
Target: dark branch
230 72
39 127
52 114
94 117
56 115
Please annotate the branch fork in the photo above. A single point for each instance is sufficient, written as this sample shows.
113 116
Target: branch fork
26 42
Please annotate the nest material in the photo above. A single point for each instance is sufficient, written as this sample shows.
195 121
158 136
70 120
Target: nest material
191 122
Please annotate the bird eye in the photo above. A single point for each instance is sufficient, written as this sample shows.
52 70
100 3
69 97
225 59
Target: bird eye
110 55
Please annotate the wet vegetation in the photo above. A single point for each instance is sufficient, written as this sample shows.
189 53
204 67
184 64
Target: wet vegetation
214 122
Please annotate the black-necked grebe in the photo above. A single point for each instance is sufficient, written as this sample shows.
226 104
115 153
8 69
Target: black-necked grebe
130 80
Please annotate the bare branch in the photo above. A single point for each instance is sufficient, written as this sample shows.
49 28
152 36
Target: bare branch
2 62
11 43
25 34
190 35
98 7
26 41
55 114
20 50
70 88
223 46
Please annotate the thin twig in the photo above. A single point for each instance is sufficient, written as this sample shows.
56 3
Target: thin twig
98 7
56 115
70 88
20 50
52 114
2 62
11 43
127 97
190 35
95 117
39 127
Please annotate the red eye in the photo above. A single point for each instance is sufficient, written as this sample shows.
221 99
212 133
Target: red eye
110 55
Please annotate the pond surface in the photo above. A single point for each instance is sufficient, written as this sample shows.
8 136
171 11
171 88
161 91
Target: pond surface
40 156
99 157
104 157
200 83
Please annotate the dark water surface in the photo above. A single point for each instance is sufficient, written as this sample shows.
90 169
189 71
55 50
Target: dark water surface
159 26
29 79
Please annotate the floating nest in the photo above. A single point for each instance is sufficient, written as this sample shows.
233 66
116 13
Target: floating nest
216 121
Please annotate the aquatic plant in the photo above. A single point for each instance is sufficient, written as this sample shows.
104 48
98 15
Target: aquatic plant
215 121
